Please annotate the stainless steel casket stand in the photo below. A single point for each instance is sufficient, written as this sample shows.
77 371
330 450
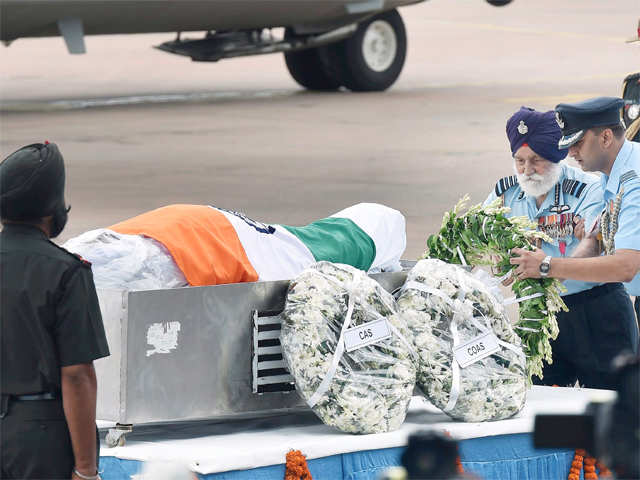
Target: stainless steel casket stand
201 353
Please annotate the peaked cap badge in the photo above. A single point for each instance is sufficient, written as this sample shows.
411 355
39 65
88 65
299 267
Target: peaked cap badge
522 128
559 120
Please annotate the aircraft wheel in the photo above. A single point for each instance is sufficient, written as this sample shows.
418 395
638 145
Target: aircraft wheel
308 69
499 3
373 57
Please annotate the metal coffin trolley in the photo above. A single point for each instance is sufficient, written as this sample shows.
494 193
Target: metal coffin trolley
201 353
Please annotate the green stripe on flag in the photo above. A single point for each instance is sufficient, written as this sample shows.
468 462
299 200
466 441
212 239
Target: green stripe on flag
337 240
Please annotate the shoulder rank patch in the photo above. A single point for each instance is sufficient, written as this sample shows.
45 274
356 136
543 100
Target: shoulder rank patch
630 175
573 187
75 256
86 263
505 184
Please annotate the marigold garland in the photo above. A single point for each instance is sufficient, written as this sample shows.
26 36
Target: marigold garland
459 467
590 464
604 471
296 466
576 465
590 469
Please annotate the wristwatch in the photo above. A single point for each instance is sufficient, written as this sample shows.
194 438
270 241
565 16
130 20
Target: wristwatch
545 266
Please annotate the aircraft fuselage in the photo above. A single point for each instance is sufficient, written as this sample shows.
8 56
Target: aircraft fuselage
39 18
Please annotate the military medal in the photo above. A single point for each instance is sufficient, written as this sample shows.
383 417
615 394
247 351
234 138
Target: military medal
559 224
609 223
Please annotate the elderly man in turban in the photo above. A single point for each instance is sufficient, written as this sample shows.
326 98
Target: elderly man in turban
561 199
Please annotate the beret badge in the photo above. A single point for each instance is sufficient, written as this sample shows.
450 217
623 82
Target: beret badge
522 127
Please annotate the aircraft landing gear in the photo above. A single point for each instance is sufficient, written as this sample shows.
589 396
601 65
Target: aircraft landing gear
363 57
369 60
499 3
307 67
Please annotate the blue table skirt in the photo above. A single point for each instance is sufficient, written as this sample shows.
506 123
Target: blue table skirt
501 457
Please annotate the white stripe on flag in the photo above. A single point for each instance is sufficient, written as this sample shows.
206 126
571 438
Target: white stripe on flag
387 229
275 256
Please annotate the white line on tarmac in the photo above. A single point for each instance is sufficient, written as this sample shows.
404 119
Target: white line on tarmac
531 31
78 104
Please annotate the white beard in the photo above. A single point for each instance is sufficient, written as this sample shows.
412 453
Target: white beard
536 185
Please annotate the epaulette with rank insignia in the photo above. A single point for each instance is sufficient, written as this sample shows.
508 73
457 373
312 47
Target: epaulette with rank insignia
627 176
87 263
573 187
505 184
75 256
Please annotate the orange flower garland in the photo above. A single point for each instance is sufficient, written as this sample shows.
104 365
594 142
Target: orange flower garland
590 469
576 465
459 467
296 466
604 471
590 465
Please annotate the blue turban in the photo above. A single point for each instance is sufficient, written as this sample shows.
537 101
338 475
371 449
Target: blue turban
540 131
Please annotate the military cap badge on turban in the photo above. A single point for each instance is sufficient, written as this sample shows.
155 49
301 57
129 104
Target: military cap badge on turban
539 130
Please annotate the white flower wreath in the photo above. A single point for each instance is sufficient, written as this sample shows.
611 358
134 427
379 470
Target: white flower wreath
366 390
445 307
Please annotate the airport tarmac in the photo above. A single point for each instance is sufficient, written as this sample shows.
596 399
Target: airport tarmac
140 128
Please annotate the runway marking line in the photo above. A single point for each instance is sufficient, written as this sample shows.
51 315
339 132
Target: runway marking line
490 26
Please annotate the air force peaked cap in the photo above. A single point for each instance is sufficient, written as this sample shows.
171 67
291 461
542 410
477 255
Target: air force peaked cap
575 118
32 182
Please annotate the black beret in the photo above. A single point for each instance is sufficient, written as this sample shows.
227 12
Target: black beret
575 118
32 182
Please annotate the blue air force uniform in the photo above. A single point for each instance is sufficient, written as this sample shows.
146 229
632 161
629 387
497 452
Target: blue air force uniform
579 195
598 325
624 180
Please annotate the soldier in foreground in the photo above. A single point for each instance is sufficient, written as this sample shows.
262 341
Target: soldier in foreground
50 326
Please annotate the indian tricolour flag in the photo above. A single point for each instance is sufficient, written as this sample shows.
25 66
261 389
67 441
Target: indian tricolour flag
211 245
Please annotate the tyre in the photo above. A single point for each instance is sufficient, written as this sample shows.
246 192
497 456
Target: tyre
308 69
372 58
499 3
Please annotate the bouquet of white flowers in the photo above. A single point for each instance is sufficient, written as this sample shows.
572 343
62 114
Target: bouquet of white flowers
471 364
347 349
484 235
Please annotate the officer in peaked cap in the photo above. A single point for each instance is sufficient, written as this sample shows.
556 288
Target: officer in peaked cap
560 198
50 327
576 118
594 137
